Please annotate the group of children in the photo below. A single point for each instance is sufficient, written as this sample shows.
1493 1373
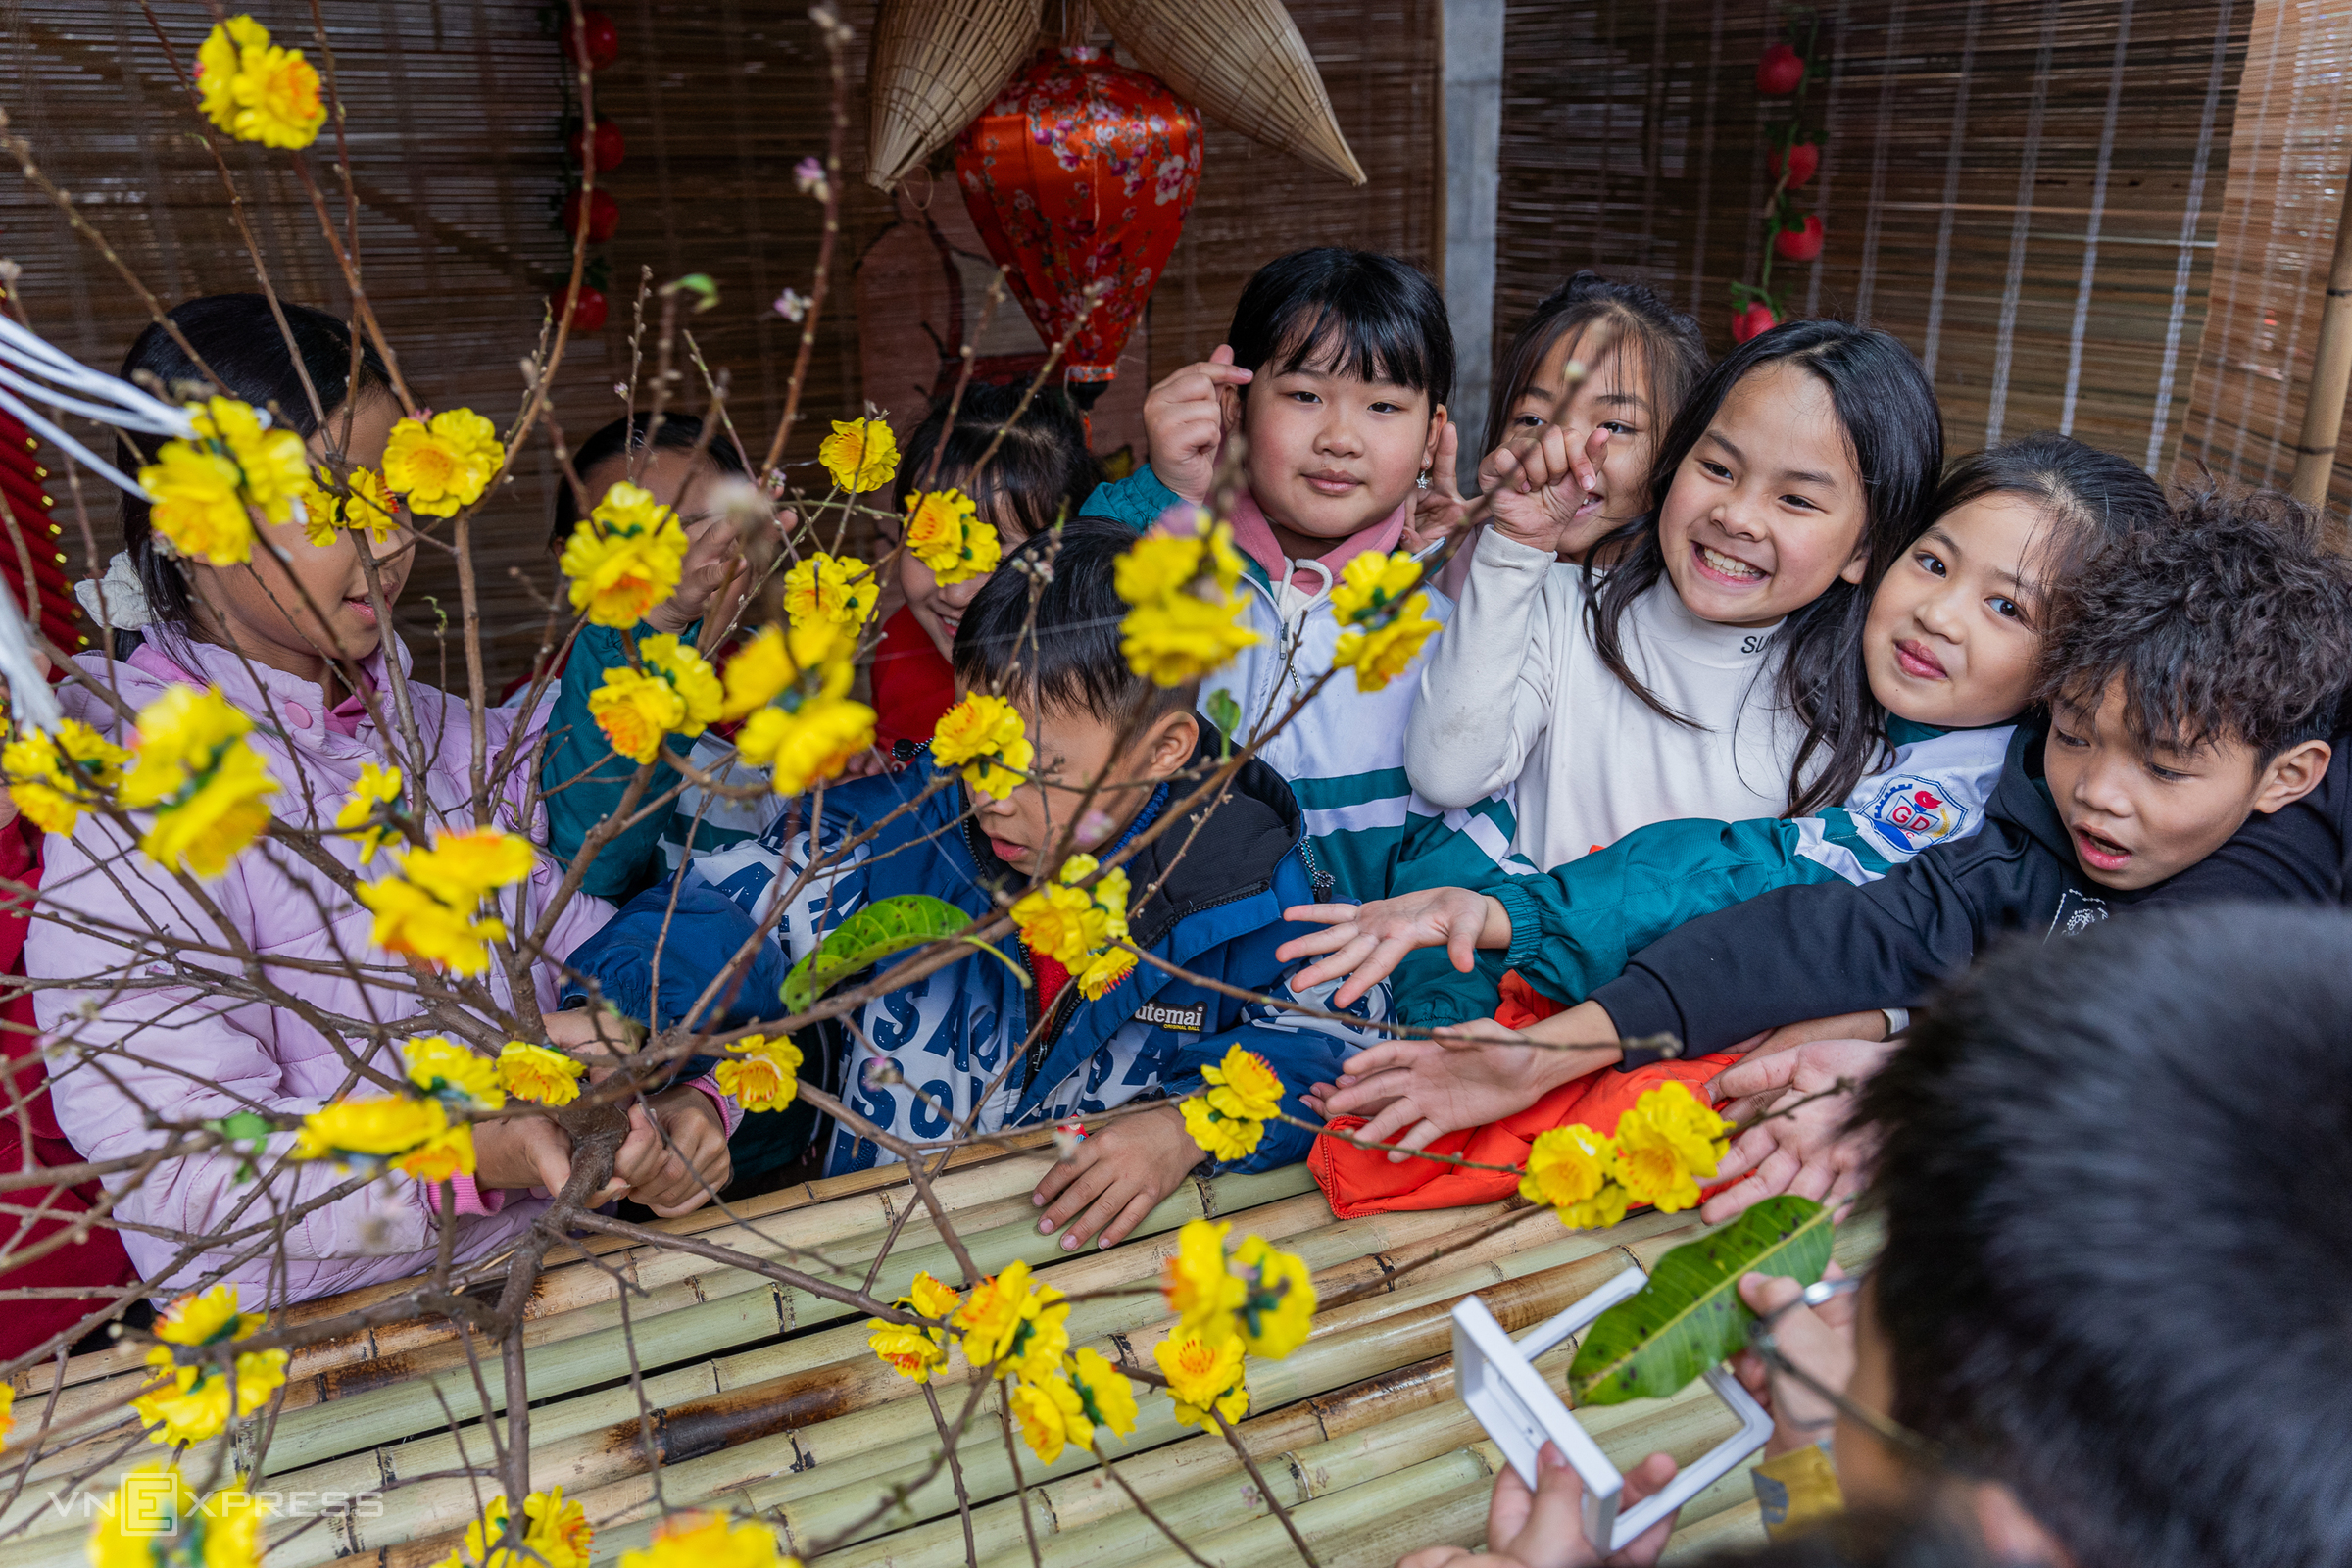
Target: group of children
1749 709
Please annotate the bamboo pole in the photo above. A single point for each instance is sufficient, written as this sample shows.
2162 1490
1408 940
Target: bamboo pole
2331 372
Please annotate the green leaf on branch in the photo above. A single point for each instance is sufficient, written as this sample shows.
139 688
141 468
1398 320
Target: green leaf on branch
1690 1317
875 932
698 284
246 1132
1226 713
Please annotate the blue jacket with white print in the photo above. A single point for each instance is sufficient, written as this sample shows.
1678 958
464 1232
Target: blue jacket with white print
1209 899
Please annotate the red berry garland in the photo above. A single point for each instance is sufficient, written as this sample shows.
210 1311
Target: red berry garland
1785 70
594 151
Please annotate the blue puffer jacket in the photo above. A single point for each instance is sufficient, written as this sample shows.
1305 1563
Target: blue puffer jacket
1218 884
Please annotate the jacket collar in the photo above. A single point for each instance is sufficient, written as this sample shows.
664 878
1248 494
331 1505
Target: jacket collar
1255 537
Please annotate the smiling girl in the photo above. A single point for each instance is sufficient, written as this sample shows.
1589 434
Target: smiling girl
1711 672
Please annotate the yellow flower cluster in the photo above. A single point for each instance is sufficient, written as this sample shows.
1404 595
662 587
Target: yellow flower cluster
1017 1330
147 1524
943 532
55 778
714 1541
416 1133
1254 1298
538 1074
985 737
1080 928
1387 621
364 500
192 768
676 693
444 464
625 558
829 589
1239 1096
1185 619
1664 1145
431 908
860 454
555 1534
190 1401
760 1073
369 814
802 726
255 90
207 488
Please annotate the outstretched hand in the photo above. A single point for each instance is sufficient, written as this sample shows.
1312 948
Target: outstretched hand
1417 1091
1365 941
1546 1528
1804 1147
1185 419
1441 511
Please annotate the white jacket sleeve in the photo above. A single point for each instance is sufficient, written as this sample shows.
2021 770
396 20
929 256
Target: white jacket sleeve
1487 690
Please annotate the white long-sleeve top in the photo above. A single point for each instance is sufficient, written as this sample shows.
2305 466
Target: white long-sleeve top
1516 692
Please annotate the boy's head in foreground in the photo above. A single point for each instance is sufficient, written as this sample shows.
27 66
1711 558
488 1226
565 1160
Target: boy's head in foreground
2195 673
2117 1283
1095 722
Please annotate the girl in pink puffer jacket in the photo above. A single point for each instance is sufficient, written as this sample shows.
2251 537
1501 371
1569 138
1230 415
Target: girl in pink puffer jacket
189 1052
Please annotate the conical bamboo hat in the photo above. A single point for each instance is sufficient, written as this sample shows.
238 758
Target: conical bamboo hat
1243 63
937 64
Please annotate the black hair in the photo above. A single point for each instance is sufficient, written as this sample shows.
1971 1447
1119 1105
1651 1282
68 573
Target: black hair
1041 470
2089 499
1894 435
677 432
241 345
1355 312
1673 354
1065 655
2118 1206
2235 623
1926 1539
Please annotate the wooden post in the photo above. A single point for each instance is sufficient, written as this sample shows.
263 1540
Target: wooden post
2331 372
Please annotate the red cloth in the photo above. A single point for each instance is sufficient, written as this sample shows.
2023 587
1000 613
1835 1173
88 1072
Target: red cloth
913 682
1362 1181
50 602
98 1261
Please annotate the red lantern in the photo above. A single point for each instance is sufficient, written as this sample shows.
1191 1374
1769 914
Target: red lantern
1780 71
610 144
595 43
604 216
1080 175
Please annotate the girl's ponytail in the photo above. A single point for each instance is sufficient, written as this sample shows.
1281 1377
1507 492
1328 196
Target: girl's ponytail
1894 434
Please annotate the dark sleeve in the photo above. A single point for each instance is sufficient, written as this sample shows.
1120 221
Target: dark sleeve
582 779
696 940
2296 854
1827 948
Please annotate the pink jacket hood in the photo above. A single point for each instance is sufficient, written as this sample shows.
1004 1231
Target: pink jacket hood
192 1053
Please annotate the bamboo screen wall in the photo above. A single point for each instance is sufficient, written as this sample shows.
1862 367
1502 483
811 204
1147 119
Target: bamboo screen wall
454 125
2024 191
2287 166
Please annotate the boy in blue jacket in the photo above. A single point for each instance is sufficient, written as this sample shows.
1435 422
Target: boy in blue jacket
971 1041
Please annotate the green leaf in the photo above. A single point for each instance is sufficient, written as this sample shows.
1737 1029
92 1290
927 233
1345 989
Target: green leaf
245 1124
875 932
698 284
1690 1316
1226 713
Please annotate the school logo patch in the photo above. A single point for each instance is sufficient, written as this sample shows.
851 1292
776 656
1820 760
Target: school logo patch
2078 911
1192 1020
1912 812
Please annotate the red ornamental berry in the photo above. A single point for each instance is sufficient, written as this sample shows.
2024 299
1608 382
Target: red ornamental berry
1798 244
587 312
595 43
1781 72
1752 322
611 146
604 216
1803 158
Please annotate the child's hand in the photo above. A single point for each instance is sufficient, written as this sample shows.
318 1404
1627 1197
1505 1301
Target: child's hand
1438 512
1546 1528
590 1034
674 1159
1184 423
521 1152
1545 492
1804 1149
1366 941
1470 1075
713 559
1117 1177
1821 1340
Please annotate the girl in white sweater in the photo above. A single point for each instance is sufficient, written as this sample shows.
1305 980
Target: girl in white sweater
1714 670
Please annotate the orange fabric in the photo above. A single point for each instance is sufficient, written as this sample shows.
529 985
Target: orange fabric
1362 1181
